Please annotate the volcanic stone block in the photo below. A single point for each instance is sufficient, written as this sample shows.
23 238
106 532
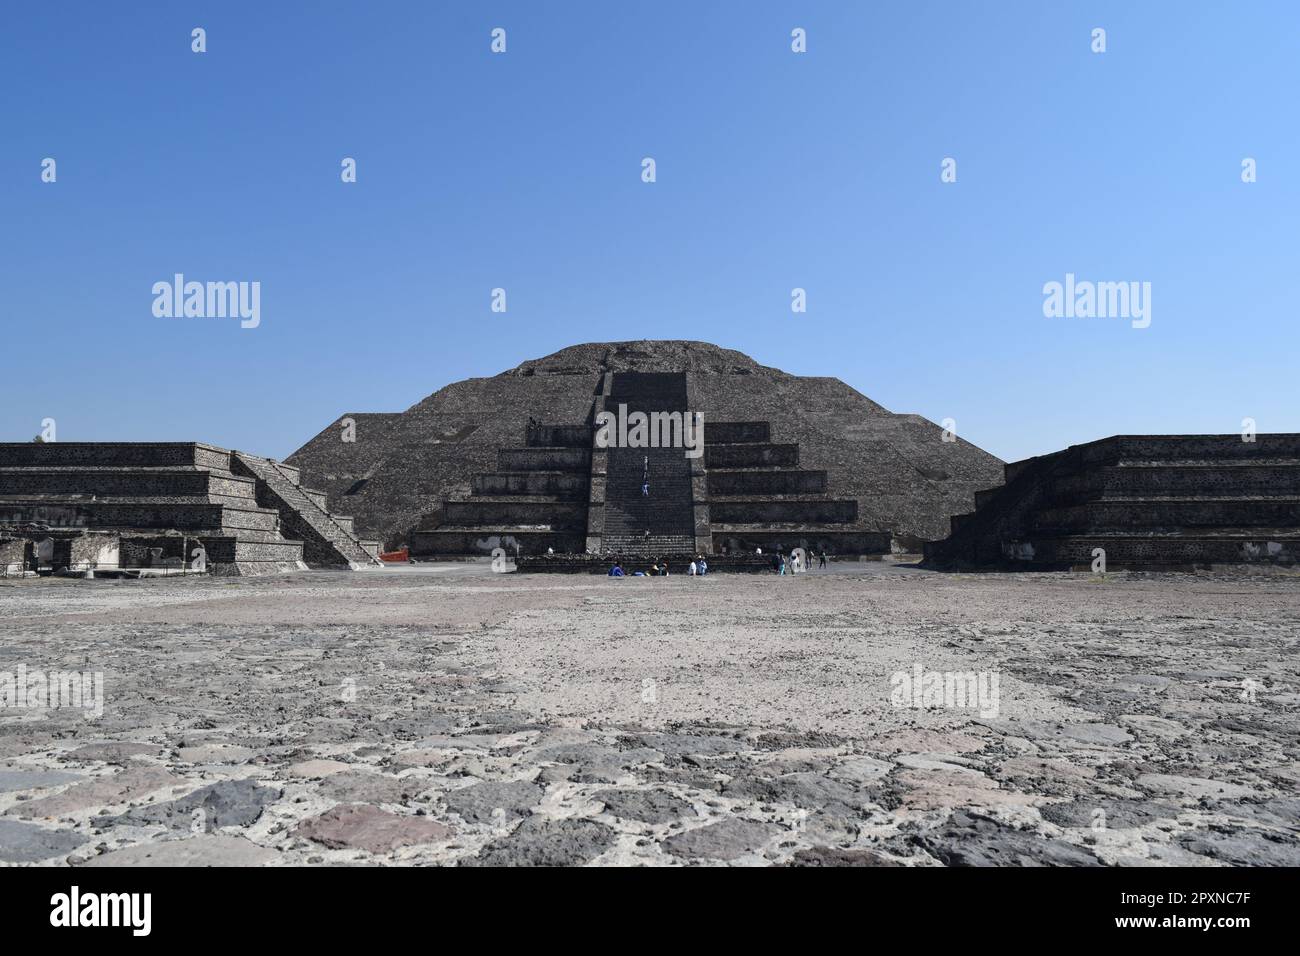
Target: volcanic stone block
774 511
1143 501
767 482
751 456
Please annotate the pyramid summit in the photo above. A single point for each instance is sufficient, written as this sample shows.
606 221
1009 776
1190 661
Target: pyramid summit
511 461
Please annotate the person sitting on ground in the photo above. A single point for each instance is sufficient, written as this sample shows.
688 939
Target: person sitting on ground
616 571
692 570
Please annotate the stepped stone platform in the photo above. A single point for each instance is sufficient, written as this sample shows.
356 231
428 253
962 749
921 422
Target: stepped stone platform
113 505
510 462
677 563
1153 501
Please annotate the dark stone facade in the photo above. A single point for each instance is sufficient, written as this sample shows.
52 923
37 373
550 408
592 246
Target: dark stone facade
787 457
1145 500
161 500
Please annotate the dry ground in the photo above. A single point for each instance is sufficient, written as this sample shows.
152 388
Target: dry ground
449 715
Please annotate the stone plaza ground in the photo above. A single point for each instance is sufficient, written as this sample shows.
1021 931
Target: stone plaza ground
444 714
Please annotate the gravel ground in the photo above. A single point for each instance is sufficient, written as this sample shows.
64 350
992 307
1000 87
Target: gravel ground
443 714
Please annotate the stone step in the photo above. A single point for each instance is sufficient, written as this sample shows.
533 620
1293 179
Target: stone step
491 512
1208 546
1171 513
444 542
544 459
326 542
115 454
771 540
1145 480
182 513
124 482
723 483
823 511
552 483
749 456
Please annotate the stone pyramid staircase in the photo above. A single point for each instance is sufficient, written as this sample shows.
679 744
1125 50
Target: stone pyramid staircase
661 522
536 499
328 539
1146 501
159 499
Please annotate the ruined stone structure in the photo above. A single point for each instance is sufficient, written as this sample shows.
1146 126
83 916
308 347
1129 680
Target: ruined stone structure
1145 500
161 500
510 461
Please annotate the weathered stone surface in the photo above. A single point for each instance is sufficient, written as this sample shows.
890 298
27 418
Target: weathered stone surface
230 803
315 769
829 856
369 828
1192 786
11 780
479 802
646 806
683 744
968 840
113 751
205 850
1106 812
215 754
539 842
726 840
362 786
29 843
806 790
124 786
595 763
1245 849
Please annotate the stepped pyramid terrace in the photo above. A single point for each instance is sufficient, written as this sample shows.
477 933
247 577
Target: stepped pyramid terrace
1146 501
512 461
147 506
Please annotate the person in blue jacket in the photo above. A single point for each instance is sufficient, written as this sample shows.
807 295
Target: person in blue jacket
617 571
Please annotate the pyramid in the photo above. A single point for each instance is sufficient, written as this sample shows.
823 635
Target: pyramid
509 460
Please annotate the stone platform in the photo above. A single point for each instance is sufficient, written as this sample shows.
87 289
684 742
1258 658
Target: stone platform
677 563
1148 501
509 461
561 491
161 501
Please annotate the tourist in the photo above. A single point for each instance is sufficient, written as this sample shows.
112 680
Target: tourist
654 570
616 571
692 570
550 550
795 567
823 559
704 566
758 550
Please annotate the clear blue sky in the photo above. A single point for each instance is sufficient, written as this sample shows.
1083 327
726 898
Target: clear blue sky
775 170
